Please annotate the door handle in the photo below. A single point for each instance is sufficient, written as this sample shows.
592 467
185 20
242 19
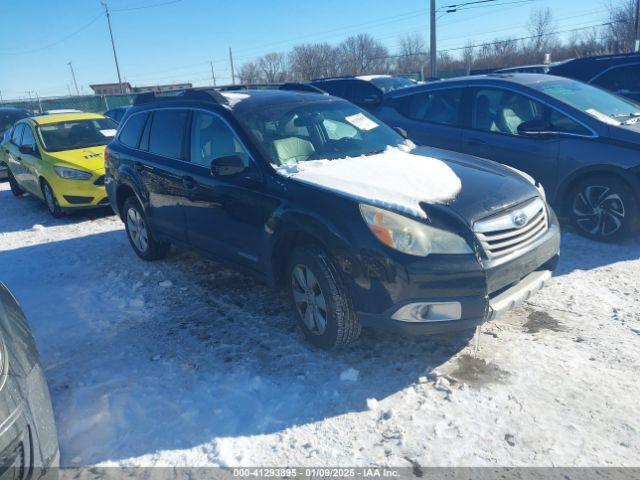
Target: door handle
189 183
138 166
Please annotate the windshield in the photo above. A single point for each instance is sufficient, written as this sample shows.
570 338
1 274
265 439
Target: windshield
73 134
388 84
598 103
8 118
291 132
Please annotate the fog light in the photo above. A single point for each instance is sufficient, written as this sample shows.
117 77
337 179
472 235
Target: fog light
429 312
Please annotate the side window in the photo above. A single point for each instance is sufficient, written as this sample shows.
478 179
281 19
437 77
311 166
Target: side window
132 130
503 111
440 106
620 79
360 90
28 138
167 132
336 88
16 136
562 123
212 138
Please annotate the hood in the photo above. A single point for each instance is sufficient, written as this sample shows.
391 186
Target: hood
408 181
487 186
90 158
626 133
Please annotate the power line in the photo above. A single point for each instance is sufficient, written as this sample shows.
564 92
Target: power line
142 7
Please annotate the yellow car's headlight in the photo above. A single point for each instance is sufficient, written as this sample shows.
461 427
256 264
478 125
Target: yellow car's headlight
71 173
410 236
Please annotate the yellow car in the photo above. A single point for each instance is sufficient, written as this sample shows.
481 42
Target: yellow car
60 159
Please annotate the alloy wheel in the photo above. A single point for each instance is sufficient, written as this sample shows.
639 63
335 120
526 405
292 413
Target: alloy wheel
50 198
309 299
137 230
599 211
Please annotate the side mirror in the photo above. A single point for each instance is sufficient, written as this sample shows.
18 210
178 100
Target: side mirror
227 166
27 150
536 129
402 132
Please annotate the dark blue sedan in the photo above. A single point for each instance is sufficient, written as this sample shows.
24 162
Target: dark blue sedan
582 143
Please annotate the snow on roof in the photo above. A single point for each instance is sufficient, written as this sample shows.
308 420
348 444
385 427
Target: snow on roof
397 179
233 98
368 78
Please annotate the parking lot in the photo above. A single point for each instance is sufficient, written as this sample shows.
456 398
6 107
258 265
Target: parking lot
184 362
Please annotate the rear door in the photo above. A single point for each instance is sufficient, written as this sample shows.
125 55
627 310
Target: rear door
496 115
14 159
433 118
160 166
30 162
225 215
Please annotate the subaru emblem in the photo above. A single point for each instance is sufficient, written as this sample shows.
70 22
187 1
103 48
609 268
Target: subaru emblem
519 219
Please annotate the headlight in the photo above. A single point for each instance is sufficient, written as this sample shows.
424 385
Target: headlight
540 188
409 236
72 174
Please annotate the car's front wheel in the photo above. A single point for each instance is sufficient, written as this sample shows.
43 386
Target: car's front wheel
603 208
323 306
51 201
139 234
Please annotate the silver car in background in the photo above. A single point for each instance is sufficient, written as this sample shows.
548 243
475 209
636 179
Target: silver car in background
28 440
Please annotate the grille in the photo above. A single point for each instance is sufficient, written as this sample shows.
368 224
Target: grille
514 231
100 181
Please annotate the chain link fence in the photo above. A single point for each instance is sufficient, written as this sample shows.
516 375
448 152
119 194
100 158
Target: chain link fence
86 103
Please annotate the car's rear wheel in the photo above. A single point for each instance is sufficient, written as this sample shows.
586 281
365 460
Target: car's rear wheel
603 208
140 236
323 306
50 200
13 184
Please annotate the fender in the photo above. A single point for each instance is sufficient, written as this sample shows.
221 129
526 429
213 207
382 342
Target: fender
128 176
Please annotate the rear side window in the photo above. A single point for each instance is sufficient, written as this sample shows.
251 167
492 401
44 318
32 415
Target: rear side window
440 106
167 133
335 88
17 134
624 79
360 91
132 130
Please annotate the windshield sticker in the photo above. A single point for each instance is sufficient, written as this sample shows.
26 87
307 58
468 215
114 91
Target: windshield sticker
361 122
108 132
602 117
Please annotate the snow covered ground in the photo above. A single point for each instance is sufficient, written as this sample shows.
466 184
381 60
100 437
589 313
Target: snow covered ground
185 362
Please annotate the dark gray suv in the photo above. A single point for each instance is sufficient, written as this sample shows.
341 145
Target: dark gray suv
28 441
582 143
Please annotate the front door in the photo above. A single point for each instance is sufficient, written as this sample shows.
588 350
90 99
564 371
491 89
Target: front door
496 115
226 216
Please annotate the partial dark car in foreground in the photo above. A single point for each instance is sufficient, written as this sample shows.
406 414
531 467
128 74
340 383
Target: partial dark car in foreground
365 91
28 441
581 142
8 116
309 192
619 74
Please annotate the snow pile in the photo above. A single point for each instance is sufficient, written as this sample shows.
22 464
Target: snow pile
233 98
394 179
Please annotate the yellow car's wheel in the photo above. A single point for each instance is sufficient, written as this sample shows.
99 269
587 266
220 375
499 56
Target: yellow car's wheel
13 183
50 200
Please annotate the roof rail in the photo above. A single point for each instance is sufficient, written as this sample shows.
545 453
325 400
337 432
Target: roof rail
201 94
293 86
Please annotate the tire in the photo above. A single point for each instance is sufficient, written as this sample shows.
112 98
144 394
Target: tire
50 200
338 326
13 184
140 236
603 208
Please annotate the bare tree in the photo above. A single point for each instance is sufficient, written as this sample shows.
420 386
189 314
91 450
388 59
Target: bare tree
412 55
273 67
542 27
311 61
250 73
362 54
621 34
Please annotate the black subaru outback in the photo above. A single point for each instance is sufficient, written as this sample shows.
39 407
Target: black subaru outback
312 193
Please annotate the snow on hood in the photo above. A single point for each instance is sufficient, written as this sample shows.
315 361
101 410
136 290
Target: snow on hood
396 179
233 98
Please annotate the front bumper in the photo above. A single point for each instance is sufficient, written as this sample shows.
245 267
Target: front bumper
483 290
78 194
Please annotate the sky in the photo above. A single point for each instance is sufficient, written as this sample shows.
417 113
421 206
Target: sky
165 41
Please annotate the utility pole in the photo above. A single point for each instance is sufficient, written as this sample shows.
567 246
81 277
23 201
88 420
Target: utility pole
433 67
28 92
637 43
113 44
73 74
213 75
233 75
38 99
